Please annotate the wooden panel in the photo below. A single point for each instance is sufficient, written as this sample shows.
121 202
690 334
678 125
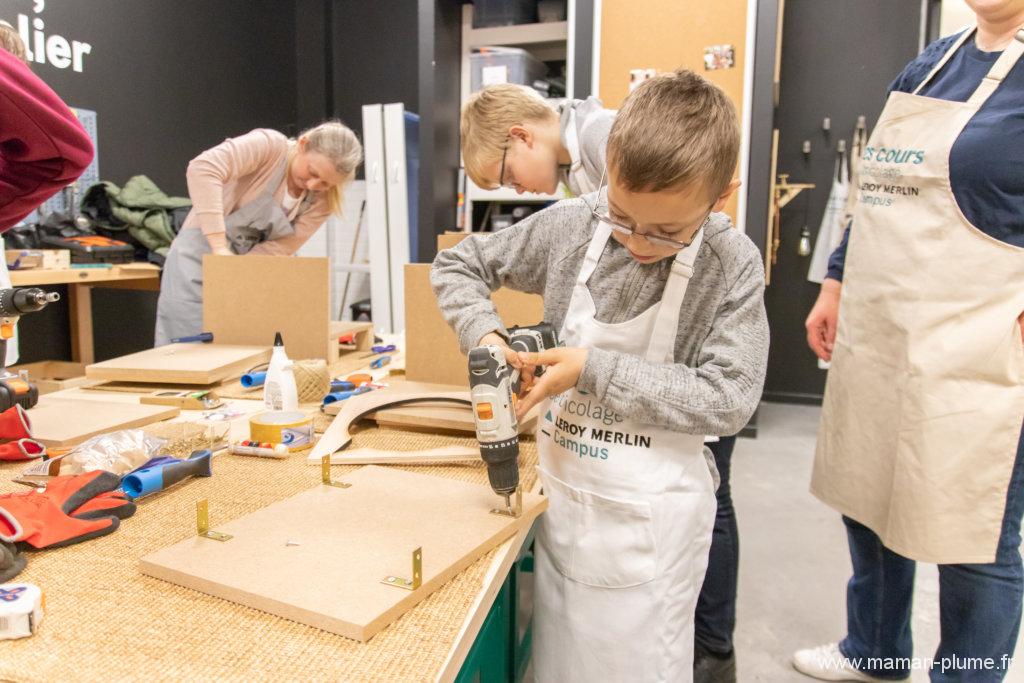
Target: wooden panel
246 300
130 271
181 364
373 456
59 422
319 557
337 434
432 351
666 35
441 416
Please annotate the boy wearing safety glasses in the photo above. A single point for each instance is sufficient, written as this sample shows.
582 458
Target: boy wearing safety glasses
660 309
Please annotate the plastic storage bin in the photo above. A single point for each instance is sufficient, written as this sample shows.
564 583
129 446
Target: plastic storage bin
488 13
551 10
490 65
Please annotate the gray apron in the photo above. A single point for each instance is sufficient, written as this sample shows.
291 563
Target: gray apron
179 310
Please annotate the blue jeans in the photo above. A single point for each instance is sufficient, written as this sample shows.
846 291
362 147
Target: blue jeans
979 604
715 619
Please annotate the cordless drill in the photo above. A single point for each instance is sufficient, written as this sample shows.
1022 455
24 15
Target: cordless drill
493 388
14 303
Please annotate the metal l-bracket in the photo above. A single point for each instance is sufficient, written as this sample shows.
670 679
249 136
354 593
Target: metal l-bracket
325 473
203 523
516 509
417 574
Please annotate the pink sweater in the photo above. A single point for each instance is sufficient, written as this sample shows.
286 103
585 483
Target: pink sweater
230 175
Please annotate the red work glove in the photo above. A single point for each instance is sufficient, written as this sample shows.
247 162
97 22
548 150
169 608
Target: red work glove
114 503
14 424
43 519
22 449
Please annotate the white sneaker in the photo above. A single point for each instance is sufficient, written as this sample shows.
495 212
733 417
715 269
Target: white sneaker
828 663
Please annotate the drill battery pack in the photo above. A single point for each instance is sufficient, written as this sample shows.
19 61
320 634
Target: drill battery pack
17 391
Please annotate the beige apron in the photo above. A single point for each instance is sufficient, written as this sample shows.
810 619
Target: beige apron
925 397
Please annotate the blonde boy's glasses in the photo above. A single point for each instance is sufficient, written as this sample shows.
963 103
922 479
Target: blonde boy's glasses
501 172
627 231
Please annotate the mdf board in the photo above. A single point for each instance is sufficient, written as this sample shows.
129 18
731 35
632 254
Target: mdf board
246 300
666 35
61 423
181 364
322 557
432 351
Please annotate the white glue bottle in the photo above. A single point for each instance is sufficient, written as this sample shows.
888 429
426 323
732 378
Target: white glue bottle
279 391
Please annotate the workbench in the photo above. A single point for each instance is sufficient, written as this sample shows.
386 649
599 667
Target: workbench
80 282
105 620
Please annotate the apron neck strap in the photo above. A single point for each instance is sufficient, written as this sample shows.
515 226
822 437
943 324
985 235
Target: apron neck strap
967 35
594 251
666 324
1011 55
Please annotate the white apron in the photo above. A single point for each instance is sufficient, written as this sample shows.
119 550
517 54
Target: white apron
833 225
180 306
925 397
623 547
578 181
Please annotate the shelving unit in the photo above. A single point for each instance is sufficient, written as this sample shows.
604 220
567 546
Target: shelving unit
547 42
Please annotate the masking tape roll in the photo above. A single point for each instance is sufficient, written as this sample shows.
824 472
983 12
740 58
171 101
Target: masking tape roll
21 610
291 428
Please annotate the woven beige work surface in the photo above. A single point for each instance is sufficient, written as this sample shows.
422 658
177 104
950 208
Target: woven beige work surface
106 621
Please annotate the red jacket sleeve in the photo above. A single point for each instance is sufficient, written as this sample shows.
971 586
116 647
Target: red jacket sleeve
43 147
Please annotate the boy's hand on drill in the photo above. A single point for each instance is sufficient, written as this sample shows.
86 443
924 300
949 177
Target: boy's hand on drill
511 357
562 368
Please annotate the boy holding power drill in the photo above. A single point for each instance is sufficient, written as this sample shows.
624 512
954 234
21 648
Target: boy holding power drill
659 306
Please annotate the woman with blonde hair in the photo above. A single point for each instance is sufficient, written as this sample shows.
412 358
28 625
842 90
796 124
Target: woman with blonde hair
260 193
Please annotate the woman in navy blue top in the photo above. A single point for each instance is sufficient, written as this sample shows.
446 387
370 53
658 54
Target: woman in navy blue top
926 383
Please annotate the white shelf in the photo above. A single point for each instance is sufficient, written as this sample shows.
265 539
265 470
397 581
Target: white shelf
551 33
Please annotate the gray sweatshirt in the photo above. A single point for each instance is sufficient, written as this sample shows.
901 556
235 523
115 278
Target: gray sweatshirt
721 347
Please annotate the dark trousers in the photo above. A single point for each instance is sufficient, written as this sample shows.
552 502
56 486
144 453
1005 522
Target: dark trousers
716 606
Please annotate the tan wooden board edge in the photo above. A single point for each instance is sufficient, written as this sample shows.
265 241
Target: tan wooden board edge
430 456
180 364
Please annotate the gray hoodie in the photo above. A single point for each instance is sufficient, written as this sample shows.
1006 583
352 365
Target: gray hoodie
721 347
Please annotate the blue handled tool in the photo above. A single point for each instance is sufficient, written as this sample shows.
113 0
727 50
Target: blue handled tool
159 477
342 395
204 337
380 362
383 349
253 379
341 385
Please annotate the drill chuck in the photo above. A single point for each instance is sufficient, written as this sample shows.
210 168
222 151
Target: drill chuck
502 458
20 300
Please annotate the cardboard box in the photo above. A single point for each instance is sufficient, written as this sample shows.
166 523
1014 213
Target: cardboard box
54 375
246 300
432 351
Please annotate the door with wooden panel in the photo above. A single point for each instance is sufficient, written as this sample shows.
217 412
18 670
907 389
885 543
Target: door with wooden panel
666 35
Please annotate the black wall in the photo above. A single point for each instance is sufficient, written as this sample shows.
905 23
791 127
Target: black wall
168 79
838 58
